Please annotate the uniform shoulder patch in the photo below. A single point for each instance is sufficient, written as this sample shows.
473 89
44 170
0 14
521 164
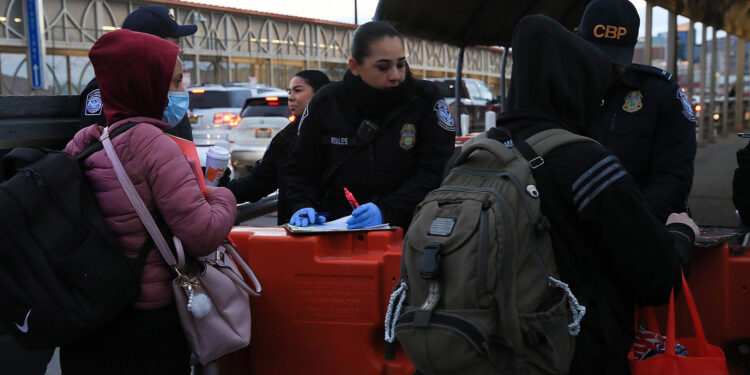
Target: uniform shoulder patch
445 119
687 109
94 103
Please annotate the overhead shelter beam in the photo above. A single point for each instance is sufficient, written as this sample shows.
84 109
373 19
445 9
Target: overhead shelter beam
730 15
493 26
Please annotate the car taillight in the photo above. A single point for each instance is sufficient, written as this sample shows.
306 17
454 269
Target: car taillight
292 118
272 100
232 119
198 91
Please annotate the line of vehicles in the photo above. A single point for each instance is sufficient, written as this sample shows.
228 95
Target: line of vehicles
244 117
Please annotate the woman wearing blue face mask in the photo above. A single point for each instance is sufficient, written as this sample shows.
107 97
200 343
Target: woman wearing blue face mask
148 336
178 103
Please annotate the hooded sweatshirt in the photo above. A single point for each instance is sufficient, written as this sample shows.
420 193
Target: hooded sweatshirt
608 247
134 72
556 75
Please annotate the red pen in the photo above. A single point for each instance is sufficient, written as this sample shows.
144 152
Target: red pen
350 198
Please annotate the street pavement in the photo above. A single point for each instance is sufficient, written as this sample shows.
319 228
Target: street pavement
710 199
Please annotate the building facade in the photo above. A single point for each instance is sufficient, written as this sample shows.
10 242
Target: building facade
231 45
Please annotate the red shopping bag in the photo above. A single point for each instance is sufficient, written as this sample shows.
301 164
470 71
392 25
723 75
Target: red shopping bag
701 359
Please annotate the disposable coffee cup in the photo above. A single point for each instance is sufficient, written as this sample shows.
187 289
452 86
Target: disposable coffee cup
217 160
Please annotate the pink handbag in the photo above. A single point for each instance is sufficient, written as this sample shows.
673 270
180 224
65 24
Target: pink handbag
211 295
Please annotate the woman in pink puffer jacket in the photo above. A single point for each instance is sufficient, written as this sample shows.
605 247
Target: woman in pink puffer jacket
135 71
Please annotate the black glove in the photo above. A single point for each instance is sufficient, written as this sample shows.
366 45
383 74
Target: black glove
224 180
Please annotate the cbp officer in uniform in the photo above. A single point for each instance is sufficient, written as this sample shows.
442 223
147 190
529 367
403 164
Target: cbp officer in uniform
154 20
380 133
645 118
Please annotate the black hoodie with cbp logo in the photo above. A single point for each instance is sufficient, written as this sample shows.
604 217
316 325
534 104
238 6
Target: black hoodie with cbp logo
608 246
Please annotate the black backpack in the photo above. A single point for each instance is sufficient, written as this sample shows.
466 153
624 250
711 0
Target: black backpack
63 274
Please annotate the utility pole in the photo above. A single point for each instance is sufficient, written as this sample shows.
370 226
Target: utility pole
355 13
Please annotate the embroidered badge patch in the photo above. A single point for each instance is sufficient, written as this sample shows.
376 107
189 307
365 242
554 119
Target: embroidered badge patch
408 137
445 120
94 103
687 109
633 102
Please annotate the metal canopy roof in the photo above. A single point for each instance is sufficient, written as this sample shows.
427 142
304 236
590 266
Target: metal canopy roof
491 22
732 16
472 22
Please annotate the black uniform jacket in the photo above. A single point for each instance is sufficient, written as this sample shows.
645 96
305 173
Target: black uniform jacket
267 175
395 171
648 123
608 247
92 112
741 185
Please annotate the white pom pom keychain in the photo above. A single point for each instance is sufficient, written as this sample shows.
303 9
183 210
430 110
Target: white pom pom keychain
198 304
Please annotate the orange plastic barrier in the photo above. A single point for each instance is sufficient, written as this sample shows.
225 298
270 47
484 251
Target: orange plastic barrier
719 280
324 301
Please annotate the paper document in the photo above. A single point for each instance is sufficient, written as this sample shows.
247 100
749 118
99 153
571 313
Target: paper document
338 225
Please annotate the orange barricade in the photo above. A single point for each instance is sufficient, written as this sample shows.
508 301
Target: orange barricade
324 301
719 280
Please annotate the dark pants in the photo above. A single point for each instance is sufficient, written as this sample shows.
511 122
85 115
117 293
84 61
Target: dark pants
138 342
17 360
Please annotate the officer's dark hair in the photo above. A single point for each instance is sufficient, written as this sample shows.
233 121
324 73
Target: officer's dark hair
369 33
314 78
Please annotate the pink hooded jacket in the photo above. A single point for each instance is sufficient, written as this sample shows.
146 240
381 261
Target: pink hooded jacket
134 71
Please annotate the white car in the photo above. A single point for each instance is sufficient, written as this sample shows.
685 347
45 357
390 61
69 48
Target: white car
214 109
262 118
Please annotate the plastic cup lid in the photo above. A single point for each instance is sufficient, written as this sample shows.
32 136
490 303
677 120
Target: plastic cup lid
218 152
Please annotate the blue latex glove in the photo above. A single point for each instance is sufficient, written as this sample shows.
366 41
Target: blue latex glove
301 218
366 215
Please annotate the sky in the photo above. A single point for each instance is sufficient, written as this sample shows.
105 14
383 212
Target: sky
343 10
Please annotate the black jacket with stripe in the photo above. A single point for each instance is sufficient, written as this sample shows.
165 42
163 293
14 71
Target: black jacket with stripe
608 246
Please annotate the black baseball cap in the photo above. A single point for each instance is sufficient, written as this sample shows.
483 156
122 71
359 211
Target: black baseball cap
157 20
612 25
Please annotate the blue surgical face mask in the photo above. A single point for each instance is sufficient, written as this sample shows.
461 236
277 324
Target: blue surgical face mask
176 108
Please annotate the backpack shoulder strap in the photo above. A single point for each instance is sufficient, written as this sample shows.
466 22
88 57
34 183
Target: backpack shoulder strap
548 140
96 146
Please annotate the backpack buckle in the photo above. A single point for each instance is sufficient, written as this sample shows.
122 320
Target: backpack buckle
429 268
536 162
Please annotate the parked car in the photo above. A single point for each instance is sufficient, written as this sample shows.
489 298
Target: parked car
213 110
476 99
262 117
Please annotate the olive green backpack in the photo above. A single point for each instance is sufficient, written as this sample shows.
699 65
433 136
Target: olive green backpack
479 290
